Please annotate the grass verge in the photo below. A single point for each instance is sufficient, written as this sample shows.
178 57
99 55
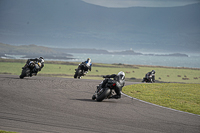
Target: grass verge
133 72
184 97
6 132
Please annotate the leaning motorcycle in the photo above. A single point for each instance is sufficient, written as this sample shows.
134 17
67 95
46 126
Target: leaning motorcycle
148 80
106 92
27 69
79 72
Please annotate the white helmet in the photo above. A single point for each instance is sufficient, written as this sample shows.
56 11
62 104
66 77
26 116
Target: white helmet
41 59
89 60
122 74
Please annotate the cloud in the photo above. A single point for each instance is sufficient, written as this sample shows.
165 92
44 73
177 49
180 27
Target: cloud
141 3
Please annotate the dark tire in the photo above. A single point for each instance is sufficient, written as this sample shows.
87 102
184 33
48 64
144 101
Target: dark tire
24 72
21 77
75 76
93 97
103 95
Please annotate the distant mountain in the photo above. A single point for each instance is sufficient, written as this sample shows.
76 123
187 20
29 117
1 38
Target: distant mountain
25 49
34 51
31 51
124 52
76 24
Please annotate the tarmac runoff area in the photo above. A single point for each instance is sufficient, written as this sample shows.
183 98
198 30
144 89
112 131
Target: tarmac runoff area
62 105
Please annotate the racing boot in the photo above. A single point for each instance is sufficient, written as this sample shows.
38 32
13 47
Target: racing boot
85 72
34 74
115 97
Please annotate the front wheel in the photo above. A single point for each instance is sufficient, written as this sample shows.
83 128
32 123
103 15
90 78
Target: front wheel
24 73
103 95
75 75
21 76
93 97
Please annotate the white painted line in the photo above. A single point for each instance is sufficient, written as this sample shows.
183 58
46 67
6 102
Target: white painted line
157 105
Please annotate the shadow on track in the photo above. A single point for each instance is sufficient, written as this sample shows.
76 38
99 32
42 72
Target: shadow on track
17 77
90 100
11 77
85 100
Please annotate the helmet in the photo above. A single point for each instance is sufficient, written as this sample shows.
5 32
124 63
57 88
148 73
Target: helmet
41 57
89 60
122 74
153 71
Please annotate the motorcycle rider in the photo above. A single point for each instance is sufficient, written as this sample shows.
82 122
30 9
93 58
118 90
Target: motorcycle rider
39 64
120 81
149 75
87 65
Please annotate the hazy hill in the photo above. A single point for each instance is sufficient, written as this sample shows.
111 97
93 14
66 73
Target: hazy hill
31 51
76 24
34 51
25 49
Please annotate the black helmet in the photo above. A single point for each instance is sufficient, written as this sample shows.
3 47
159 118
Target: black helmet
153 71
41 57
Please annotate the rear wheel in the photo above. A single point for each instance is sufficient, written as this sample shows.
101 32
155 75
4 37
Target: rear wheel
103 95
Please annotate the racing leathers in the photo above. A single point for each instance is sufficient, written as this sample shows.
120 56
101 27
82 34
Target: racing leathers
149 76
119 80
39 64
85 66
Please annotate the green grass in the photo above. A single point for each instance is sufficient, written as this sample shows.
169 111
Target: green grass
6 132
66 69
184 97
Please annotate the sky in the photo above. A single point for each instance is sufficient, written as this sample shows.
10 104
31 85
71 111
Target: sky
141 3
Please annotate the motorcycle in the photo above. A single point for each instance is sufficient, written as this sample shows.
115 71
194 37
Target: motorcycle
148 80
105 93
79 72
28 69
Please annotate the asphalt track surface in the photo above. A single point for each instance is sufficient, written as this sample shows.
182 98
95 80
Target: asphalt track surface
61 105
